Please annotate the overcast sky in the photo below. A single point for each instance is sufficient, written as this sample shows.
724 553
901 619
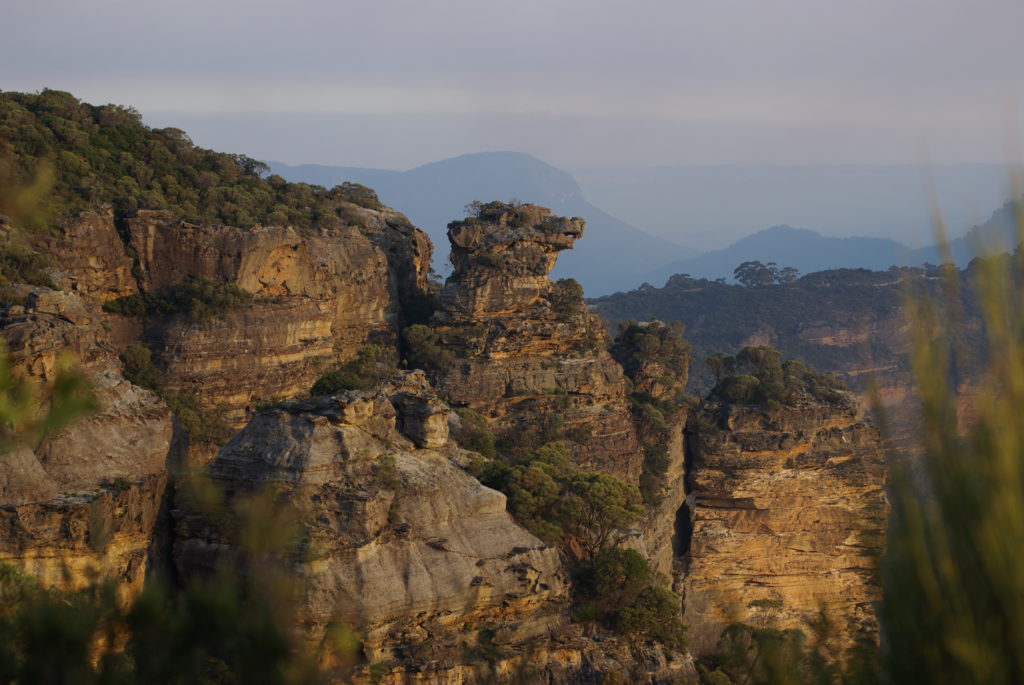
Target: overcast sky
397 83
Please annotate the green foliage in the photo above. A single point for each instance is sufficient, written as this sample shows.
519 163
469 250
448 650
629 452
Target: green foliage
199 298
518 443
953 607
121 484
656 358
387 472
203 424
424 349
755 274
555 501
721 318
617 588
138 366
372 367
566 297
597 507
106 155
757 376
20 264
475 433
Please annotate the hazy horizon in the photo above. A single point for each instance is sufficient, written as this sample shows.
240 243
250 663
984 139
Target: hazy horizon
395 84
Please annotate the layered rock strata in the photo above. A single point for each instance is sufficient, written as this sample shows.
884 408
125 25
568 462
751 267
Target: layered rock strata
527 350
400 542
787 514
87 497
318 294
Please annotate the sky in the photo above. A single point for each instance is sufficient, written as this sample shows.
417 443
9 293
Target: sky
578 83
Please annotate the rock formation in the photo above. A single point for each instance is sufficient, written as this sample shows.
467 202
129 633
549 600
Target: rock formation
318 295
786 519
528 352
88 496
400 541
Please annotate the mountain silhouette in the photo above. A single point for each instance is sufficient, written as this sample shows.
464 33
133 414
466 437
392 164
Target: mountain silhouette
612 256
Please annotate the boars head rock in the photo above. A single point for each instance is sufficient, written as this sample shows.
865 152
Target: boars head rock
502 257
525 352
786 508
395 539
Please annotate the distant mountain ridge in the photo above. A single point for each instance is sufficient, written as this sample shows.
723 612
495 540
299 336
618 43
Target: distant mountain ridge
809 251
799 248
612 256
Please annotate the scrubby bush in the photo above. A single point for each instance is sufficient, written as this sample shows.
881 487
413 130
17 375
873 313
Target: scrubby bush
757 376
475 433
655 358
199 298
555 501
618 589
424 349
372 366
205 425
139 368
566 297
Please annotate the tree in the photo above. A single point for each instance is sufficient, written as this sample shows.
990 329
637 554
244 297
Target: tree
753 274
598 508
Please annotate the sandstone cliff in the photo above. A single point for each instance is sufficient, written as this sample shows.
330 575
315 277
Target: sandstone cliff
88 496
399 541
786 519
318 294
528 352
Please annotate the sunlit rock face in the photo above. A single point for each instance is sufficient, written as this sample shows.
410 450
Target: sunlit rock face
398 541
527 350
85 499
785 520
318 295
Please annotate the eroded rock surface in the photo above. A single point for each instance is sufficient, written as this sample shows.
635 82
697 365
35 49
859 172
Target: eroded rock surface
318 294
788 514
408 545
528 350
400 542
88 496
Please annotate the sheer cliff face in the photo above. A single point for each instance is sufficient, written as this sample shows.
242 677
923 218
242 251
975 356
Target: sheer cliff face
398 540
318 295
400 543
787 516
527 350
88 496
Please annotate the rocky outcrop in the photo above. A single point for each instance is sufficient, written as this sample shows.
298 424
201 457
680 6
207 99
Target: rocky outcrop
528 352
399 541
367 471
86 497
90 256
318 295
786 520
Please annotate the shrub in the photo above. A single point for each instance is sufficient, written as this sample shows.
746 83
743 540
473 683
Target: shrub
200 299
372 367
757 376
566 297
203 424
424 349
475 433
138 366
19 264
617 588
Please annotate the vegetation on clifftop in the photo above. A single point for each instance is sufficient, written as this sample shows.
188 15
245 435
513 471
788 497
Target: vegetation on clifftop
757 376
105 155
